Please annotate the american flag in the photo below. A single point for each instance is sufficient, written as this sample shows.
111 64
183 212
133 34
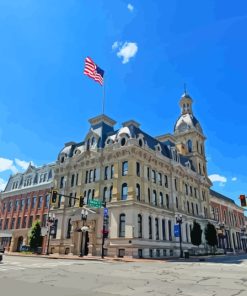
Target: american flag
93 71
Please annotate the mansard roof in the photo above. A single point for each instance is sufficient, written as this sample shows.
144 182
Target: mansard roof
102 133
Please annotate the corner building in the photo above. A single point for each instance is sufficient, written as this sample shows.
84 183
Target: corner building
146 181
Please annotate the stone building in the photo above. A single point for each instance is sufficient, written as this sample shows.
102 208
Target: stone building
25 199
146 182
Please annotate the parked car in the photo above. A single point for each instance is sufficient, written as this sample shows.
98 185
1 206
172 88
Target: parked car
25 248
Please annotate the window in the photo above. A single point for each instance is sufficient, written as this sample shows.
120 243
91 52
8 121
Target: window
72 180
24 222
1 224
22 204
86 177
160 179
16 205
40 201
191 191
30 221
104 193
112 171
166 181
153 176
163 229
62 182
192 208
18 225
189 146
89 194
94 175
200 171
154 201
167 201
188 207
34 200
175 184
123 141
150 227
138 169
37 218
140 142
170 230
148 173
122 225
197 211
110 194
70 199
47 201
157 228
138 192
124 195
6 224
9 206
186 189
139 226
149 197
13 223
125 168
68 228
106 177
27 203
176 202
161 200
91 176
44 220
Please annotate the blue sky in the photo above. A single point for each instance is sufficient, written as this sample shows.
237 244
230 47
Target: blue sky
45 100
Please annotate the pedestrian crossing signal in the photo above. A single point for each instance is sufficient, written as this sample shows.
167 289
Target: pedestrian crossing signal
243 200
54 196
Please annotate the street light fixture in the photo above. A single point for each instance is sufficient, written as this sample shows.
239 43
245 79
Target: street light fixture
84 228
222 235
179 221
51 230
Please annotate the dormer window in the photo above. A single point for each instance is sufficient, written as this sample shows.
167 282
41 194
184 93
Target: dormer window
188 165
123 141
158 147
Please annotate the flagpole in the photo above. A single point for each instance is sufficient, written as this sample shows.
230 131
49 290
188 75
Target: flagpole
103 101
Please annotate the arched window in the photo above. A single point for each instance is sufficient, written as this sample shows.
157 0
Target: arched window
157 228
139 226
124 195
125 168
138 192
192 208
104 193
200 171
106 177
112 171
88 144
161 199
123 141
197 212
154 198
160 179
110 194
188 207
201 149
163 229
86 178
89 194
122 225
68 228
93 191
149 197
167 201
176 202
150 227
189 145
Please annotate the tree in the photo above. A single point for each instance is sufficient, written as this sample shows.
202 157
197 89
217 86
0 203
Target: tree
196 234
211 235
35 238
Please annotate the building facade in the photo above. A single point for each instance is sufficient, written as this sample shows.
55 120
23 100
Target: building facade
230 222
25 199
146 182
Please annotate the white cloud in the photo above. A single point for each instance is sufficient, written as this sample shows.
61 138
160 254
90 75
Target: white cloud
130 7
22 163
127 51
218 178
234 178
7 164
116 44
2 184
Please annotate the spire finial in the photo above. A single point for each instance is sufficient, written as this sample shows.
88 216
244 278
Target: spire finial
185 89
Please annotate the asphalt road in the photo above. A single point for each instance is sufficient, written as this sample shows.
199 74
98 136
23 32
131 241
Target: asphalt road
50 277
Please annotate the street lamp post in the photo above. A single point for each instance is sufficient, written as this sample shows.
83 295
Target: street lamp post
179 221
84 214
50 224
222 235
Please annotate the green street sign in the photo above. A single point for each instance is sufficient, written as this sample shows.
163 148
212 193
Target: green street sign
95 203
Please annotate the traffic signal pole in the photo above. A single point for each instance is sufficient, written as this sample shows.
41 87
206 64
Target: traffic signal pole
103 232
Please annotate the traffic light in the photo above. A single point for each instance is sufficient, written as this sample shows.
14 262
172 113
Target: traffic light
81 201
54 195
243 200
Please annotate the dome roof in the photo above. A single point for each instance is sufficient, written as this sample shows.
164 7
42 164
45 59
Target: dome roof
187 122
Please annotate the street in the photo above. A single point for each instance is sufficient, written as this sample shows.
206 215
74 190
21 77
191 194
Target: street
39 276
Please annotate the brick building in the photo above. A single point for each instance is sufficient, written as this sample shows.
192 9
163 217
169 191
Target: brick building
25 200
